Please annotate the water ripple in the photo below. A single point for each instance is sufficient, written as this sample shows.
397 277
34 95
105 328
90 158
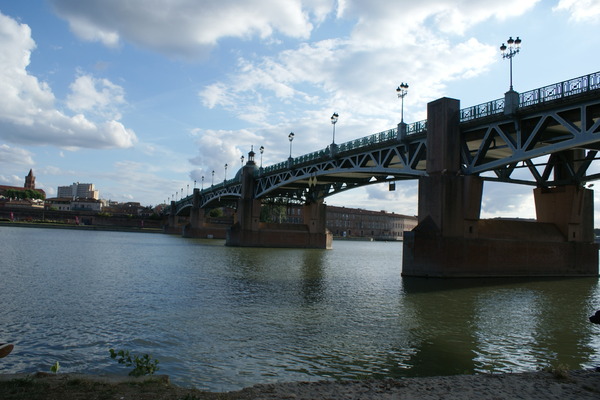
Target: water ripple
222 318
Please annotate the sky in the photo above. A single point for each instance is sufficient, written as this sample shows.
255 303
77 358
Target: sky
143 98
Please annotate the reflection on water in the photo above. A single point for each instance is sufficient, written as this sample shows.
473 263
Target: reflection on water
504 325
222 318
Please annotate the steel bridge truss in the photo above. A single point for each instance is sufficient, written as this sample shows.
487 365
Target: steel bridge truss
541 146
391 160
551 139
217 195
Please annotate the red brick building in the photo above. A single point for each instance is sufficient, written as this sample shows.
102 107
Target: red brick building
359 223
346 222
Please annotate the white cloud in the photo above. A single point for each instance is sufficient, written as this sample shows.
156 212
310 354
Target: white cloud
187 28
11 180
220 147
98 96
580 10
27 106
15 156
507 200
346 76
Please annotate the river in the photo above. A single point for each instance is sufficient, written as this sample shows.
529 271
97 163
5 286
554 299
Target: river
221 318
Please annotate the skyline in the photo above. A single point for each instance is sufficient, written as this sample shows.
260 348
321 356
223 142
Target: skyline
141 101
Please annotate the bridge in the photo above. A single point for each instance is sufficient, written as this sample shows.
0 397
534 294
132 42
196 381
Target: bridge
547 138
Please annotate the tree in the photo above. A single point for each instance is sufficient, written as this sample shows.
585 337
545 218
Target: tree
216 212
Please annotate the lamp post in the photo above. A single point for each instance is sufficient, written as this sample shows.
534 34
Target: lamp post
225 179
187 190
262 150
334 120
514 45
202 182
212 182
242 159
402 91
291 138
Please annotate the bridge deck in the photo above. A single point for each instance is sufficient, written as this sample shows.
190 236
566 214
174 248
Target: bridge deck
561 117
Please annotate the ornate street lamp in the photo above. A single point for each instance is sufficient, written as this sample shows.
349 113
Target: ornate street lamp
402 91
291 138
514 45
334 120
187 190
202 182
212 182
262 150
225 179
242 159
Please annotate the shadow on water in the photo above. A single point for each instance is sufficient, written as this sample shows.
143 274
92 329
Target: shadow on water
500 325
425 285
313 285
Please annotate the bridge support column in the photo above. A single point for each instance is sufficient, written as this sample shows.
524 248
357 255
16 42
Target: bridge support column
315 217
248 231
199 227
570 208
172 225
452 241
244 231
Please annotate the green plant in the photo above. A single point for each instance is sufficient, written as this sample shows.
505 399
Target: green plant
143 365
55 367
560 372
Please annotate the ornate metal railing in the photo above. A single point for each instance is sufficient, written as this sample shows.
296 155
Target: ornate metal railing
536 96
562 89
380 137
482 110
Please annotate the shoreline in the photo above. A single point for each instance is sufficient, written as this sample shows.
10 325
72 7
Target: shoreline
550 385
51 225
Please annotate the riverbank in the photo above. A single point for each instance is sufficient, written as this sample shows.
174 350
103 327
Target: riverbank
51 225
548 385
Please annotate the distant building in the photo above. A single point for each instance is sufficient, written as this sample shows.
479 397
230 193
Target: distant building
349 222
86 205
30 180
378 225
129 208
78 191
59 203
17 195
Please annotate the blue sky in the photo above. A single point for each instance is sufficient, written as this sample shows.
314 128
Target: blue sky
142 97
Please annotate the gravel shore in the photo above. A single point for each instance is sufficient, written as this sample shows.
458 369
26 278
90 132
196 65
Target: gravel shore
555 385
538 385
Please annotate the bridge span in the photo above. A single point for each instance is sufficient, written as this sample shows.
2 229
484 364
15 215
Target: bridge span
547 138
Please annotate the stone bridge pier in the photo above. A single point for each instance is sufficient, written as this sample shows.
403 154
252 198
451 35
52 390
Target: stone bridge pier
171 223
248 231
452 241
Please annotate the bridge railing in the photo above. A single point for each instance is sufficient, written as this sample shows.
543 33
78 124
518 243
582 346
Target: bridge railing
562 89
482 110
380 137
536 96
